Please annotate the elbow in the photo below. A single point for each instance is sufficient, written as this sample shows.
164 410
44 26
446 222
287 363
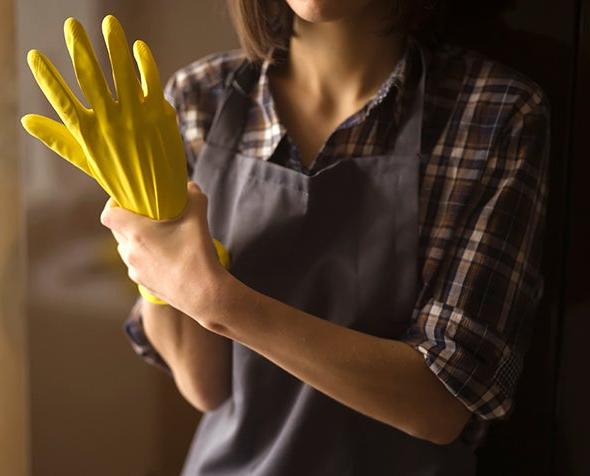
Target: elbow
447 430
440 426
202 398
439 436
205 403
445 436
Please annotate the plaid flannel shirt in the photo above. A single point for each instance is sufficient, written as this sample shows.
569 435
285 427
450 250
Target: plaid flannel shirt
483 195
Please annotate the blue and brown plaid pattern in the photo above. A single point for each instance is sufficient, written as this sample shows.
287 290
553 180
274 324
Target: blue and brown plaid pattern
483 196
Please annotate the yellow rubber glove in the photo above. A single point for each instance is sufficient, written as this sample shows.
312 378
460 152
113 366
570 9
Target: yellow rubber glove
130 145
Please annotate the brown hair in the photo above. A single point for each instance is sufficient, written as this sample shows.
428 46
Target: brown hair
262 25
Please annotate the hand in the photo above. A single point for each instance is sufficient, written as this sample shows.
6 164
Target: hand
174 259
130 144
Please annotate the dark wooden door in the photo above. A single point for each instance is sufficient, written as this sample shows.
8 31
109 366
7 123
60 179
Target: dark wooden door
546 40
572 434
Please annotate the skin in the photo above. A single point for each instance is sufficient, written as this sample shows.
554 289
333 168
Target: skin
337 59
336 66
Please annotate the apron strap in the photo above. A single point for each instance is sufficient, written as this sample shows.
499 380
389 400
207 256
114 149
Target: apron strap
409 135
230 117
228 123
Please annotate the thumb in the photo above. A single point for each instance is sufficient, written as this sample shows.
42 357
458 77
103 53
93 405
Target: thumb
196 198
121 220
193 187
58 138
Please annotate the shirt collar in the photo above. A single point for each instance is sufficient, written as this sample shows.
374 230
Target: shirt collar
394 84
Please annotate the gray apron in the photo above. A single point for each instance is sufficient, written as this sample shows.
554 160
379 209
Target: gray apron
340 244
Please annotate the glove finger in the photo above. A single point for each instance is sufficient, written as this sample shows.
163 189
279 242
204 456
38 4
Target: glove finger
58 138
124 76
56 90
148 70
88 72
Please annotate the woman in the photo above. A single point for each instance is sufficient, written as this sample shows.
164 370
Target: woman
383 202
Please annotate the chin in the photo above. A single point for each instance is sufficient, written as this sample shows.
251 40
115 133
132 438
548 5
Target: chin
316 11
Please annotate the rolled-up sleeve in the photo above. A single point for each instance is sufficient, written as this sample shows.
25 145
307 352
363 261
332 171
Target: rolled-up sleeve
473 320
134 330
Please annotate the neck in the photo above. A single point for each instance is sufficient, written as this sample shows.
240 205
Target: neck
347 59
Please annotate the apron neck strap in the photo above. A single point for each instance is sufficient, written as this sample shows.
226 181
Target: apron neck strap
230 117
409 134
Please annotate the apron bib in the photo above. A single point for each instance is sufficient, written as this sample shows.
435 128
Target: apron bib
341 244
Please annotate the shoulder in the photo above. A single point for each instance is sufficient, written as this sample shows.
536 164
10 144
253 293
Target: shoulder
195 91
476 106
482 87
198 85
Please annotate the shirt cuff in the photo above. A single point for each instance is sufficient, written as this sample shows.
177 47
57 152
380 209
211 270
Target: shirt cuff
133 328
472 360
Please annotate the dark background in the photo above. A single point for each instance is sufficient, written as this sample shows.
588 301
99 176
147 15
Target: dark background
550 42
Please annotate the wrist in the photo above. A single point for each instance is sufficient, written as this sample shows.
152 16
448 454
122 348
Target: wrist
217 306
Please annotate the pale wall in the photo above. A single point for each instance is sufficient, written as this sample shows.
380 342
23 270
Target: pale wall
14 427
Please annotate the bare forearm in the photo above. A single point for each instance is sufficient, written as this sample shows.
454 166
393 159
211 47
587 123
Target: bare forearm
382 378
200 360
